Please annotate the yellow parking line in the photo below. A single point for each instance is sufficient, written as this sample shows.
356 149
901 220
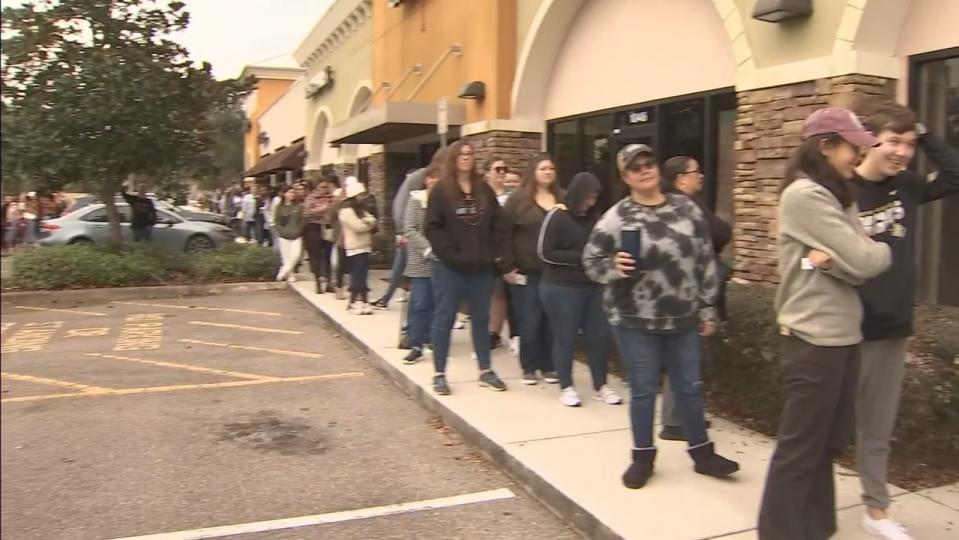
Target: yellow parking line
162 389
251 328
54 382
249 348
77 311
187 367
229 310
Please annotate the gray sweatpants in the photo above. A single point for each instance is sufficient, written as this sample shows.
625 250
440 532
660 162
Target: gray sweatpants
880 385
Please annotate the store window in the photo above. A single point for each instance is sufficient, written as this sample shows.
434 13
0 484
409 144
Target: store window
701 126
934 95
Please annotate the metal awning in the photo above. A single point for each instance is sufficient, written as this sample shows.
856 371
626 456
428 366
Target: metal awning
287 158
393 121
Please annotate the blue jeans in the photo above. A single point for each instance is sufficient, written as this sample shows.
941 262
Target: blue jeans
535 341
420 318
143 235
396 275
449 289
359 275
568 310
644 354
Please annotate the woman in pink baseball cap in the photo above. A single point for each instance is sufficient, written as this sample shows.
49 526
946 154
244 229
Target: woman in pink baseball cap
823 255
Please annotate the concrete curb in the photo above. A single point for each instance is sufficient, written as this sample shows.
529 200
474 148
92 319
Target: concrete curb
582 521
132 293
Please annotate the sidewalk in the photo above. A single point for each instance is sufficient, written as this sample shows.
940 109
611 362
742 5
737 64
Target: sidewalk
572 459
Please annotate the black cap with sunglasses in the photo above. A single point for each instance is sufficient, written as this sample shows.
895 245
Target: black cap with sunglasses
629 153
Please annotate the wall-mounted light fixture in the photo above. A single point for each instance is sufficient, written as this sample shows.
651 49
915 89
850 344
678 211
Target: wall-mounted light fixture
775 11
473 90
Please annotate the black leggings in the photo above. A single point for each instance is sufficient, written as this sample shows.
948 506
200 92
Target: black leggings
318 249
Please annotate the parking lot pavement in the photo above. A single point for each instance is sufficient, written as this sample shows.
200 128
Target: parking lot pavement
237 413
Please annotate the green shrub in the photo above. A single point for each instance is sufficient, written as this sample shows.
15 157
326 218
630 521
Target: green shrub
82 266
62 267
236 260
744 383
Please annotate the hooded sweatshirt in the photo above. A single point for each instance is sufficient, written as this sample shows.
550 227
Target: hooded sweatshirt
522 222
564 235
413 182
887 212
465 231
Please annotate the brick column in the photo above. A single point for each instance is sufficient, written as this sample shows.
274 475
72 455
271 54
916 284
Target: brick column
768 126
344 169
514 147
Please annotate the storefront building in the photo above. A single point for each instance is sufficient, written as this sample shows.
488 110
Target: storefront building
707 79
273 123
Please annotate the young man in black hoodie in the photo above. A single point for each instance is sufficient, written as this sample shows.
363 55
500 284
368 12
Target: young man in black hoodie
889 196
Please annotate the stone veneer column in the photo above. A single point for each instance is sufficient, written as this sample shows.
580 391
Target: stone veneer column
312 175
768 126
344 169
514 147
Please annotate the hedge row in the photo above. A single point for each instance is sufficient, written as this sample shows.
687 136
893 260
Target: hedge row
82 266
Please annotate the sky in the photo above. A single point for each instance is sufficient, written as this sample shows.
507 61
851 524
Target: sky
233 33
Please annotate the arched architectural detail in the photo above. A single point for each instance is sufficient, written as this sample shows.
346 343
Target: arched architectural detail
361 95
316 137
548 31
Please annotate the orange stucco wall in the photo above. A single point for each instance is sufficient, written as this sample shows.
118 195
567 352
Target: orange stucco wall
420 31
267 92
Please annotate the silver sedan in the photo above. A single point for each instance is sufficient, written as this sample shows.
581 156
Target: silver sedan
89 225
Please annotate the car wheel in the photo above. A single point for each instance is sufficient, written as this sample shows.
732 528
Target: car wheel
199 243
81 242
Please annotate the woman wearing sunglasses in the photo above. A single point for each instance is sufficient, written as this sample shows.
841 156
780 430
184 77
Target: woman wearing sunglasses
652 252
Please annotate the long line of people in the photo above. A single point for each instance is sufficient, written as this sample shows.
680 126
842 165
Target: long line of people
647 275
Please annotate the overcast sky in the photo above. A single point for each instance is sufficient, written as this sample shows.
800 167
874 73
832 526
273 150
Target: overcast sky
232 33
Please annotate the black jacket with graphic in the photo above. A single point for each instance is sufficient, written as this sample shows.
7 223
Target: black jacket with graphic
465 231
887 211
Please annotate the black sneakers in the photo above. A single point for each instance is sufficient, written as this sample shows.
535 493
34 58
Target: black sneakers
415 354
380 304
440 386
490 380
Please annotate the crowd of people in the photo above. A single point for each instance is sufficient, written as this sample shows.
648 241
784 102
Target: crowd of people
646 275
23 214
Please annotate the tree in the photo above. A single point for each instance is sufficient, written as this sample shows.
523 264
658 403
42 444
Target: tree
95 94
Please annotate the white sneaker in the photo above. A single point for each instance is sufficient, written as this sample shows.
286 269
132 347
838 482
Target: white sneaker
291 279
608 396
459 325
354 308
514 345
366 310
886 529
569 397
402 297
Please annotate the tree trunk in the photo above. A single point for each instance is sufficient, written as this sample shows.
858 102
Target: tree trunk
108 197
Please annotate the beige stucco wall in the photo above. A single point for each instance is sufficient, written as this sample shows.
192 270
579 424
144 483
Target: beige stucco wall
352 65
605 62
930 25
525 12
782 43
285 120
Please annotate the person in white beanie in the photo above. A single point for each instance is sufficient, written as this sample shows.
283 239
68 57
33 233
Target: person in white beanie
357 224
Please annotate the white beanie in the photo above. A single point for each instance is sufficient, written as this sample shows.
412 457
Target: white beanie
353 187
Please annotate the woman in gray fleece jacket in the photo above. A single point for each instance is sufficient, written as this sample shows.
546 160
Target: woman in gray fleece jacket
823 255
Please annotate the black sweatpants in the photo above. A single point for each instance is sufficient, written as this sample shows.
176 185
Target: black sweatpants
319 251
816 426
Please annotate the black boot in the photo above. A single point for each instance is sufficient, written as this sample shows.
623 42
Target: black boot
641 469
710 463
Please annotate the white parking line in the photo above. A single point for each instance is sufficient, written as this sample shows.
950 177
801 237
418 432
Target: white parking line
56 310
202 308
335 517
251 328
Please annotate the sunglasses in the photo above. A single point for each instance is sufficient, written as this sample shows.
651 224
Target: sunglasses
640 166
501 170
